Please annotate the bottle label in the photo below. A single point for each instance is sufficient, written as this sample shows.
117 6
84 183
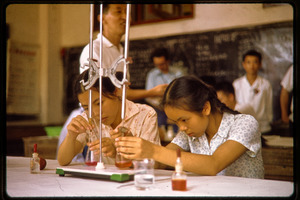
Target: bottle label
35 165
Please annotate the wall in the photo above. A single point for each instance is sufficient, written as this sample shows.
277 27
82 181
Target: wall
207 17
40 25
216 16
57 26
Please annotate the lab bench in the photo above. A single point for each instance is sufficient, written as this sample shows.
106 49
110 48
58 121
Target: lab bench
278 162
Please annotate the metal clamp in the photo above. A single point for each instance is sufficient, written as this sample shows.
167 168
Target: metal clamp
93 74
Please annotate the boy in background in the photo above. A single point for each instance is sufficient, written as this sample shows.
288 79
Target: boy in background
255 90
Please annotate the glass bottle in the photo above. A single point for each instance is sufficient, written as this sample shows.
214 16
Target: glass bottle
179 176
35 161
120 161
91 159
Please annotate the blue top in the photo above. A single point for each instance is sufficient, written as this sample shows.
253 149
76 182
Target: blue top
156 77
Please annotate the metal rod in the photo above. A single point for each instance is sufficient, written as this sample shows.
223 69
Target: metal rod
91 56
100 80
126 49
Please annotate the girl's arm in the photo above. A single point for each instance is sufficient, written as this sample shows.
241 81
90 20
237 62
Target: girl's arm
70 147
137 148
136 94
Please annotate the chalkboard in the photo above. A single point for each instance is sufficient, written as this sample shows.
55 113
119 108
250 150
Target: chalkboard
216 53
219 54
71 71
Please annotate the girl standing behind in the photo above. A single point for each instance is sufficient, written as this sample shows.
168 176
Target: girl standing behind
214 139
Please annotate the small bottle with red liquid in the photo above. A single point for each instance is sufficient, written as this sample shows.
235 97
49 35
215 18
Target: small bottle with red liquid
179 176
120 161
35 161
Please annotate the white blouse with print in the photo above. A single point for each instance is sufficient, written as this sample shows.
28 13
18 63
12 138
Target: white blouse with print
240 128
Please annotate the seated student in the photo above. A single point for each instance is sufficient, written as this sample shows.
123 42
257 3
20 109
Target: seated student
286 89
162 73
214 140
226 95
255 90
140 119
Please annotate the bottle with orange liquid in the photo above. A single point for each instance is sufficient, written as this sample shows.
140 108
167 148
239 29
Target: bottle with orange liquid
122 162
179 176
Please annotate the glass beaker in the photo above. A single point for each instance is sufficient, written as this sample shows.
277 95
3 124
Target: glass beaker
120 161
91 159
144 177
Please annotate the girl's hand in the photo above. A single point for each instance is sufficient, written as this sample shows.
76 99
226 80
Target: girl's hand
118 133
108 148
78 125
159 90
134 147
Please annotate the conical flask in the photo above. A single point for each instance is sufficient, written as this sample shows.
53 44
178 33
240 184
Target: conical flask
91 159
120 161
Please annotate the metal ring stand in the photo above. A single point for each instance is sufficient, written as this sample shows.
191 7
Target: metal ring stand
96 73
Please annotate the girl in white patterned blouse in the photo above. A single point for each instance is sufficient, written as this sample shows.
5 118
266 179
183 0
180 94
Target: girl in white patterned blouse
214 139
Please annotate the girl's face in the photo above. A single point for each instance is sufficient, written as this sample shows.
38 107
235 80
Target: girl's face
111 112
192 123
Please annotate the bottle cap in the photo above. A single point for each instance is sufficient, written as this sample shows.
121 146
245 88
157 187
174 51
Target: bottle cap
35 154
178 153
35 148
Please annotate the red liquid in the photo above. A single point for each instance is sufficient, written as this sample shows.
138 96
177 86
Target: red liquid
179 184
123 164
94 163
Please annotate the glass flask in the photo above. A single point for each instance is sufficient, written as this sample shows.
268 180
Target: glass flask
91 159
144 174
122 162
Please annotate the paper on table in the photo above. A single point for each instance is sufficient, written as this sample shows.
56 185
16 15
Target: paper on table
276 140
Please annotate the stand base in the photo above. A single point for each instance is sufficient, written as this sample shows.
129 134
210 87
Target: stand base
111 172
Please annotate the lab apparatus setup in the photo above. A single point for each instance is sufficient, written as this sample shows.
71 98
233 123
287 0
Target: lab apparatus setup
143 172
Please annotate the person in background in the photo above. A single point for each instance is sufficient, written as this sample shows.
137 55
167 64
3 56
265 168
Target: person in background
286 89
226 95
161 74
255 90
213 139
140 119
114 23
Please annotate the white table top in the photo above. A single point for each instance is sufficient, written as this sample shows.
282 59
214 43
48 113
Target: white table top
21 183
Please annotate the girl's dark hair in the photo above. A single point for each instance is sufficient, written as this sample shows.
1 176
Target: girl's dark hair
108 87
190 93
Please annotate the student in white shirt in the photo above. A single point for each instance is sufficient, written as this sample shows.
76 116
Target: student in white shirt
255 90
286 89
114 23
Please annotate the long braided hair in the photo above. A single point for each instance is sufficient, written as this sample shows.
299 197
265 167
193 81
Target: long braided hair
190 93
